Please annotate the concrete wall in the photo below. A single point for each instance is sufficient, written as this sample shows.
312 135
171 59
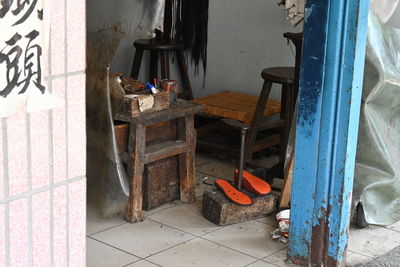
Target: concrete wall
245 36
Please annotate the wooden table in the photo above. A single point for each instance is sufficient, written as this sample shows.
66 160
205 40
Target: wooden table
139 154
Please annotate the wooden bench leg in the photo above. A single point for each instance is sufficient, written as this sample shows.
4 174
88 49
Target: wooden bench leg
187 89
258 114
137 60
137 137
164 57
186 160
286 114
153 66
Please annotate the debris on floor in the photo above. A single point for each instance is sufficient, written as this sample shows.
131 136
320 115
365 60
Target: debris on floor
282 233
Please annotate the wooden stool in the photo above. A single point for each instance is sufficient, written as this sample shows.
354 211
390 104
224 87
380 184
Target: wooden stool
286 77
162 47
139 154
242 108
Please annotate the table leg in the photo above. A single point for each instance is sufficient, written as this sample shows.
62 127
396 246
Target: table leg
186 160
137 144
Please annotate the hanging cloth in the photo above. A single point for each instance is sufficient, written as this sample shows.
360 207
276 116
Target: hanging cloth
187 22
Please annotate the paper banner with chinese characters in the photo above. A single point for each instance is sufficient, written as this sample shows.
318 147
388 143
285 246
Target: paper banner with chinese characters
23 42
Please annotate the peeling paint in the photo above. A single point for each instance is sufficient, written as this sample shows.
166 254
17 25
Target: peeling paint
308 11
319 214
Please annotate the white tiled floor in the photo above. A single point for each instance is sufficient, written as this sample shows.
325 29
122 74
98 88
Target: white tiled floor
176 234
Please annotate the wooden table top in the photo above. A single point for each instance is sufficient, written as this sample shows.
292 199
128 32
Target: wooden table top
180 109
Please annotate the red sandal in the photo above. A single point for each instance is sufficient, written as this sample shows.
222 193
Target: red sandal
253 183
232 193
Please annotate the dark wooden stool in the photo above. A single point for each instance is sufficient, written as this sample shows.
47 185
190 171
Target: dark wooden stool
297 39
160 47
285 76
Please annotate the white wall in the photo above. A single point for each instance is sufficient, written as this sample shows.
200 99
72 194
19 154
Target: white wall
395 20
245 36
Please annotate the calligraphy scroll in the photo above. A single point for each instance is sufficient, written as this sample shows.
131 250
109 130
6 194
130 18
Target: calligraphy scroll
23 42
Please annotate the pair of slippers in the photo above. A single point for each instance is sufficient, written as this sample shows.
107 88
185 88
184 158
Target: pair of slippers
249 182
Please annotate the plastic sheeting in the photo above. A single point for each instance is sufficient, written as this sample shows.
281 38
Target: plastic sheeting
377 176
384 9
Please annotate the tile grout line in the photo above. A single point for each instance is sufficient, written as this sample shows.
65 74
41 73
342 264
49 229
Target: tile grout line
397 231
194 237
260 261
152 262
126 265
117 248
368 256
41 190
143 258
112 227
51 156
66 128
201 164
212 175
272 225
161 251
275 226
222 227
270 263
229 248
274 252
64 75
201 237
166 208
172 227
29 198
250 263
6 191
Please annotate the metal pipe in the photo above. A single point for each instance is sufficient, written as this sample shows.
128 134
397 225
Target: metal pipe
241 161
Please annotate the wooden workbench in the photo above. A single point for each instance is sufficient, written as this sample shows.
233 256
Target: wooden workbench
139 154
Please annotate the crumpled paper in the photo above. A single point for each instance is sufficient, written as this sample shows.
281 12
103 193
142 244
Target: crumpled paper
282 233
295 9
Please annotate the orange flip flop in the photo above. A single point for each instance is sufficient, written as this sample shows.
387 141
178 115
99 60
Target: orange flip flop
232 193
253 183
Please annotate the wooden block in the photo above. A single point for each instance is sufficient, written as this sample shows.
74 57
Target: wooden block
160 183
162 100
221 211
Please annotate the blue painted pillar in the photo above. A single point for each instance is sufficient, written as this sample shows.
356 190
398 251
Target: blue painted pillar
335 35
